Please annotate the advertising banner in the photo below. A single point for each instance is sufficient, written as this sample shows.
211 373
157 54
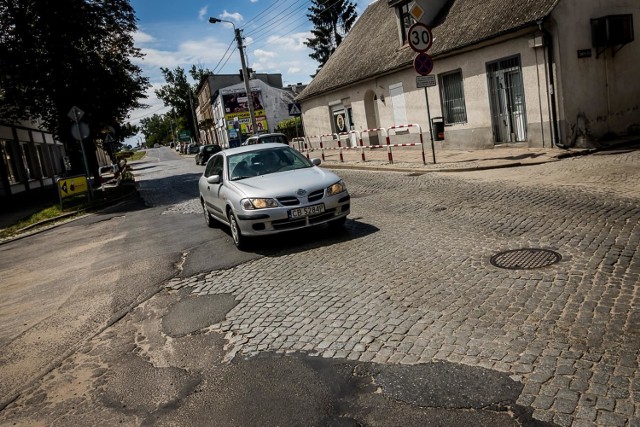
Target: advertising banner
236 108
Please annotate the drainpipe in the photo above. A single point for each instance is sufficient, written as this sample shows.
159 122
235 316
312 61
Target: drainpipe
548 42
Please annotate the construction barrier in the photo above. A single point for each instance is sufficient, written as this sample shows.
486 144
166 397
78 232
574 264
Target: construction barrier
362 146
395 128
386 133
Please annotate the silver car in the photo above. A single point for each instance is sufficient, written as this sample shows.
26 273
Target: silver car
264 189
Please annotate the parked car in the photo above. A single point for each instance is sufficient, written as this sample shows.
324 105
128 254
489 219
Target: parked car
205 152
265 189
193 149
266 138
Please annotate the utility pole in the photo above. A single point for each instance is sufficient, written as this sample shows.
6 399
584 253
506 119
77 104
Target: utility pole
247 85
245 74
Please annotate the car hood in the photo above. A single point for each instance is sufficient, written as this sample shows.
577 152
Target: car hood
286 183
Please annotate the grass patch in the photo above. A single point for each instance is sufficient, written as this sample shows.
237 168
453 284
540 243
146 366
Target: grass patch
137 155
75 206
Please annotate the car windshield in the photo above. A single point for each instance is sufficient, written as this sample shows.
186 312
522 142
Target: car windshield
267 161
273 138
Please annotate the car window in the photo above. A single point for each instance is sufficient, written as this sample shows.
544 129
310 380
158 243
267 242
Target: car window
214 166
264 162
274 138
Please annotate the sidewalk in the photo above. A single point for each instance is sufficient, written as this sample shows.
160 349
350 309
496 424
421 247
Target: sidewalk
410 158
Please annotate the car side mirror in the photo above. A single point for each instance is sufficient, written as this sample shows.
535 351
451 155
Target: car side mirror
214 179
316 162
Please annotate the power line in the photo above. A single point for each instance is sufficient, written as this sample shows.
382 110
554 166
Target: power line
294 29
223 55
268 25
260 14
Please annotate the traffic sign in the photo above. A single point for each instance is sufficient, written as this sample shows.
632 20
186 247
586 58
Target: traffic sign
425 81
419 37
75 113
294 109
423 64
72 185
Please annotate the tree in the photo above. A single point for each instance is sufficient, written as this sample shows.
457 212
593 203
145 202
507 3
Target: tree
55 54
180 95
332 20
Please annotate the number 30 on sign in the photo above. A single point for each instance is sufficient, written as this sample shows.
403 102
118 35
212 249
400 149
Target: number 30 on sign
420 38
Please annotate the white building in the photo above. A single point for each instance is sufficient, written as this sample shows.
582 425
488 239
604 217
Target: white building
535 73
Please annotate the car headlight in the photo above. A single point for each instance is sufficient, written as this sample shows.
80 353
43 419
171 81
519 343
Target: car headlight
251 204
336 188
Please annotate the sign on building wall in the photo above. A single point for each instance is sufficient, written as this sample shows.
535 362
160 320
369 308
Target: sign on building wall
236 108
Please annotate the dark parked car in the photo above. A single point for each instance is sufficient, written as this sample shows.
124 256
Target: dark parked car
193 149
205 152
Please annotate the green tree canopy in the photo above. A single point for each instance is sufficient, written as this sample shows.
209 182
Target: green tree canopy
332 20
179 94
55 54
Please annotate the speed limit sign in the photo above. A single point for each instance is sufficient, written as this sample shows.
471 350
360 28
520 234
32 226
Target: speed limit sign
420 37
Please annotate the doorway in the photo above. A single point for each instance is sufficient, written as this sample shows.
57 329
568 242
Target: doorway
506 97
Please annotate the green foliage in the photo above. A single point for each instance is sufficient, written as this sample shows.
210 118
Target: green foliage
332 20
291 127
55 54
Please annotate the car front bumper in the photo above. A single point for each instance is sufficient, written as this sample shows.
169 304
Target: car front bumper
272 221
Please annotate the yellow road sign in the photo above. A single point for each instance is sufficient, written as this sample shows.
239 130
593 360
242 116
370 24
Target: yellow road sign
72 185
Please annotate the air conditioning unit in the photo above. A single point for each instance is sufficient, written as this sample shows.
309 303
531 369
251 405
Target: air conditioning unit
612 30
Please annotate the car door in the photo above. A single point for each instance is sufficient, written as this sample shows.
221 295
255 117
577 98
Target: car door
211 193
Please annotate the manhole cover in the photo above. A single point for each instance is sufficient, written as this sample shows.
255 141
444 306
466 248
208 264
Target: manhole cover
524 259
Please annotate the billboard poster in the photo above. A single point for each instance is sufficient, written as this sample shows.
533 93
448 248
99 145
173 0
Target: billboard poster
236 108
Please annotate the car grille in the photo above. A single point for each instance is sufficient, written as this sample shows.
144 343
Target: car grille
293 201
288 201
284 224
316 195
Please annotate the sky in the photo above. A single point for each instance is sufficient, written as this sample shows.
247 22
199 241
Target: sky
175 33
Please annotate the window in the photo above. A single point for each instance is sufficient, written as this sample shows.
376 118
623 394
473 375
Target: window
397 101
452 98
406 20
12 159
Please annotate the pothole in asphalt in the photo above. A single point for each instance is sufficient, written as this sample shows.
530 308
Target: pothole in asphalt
525 259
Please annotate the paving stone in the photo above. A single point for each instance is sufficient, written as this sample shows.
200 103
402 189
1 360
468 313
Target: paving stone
569 331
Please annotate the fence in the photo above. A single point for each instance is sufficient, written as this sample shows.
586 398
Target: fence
334 142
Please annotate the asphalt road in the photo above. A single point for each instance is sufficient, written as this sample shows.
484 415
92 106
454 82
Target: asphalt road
142 315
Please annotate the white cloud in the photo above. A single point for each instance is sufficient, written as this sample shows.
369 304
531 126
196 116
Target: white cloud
142 37
236 16
202 13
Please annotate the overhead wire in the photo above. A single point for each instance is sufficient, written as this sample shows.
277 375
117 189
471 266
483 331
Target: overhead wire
269 25
224 54
292 30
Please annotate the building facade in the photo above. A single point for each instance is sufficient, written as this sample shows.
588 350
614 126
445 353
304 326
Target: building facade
223 113
537 74
31 159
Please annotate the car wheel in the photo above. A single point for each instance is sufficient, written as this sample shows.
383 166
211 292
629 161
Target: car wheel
238 239
208 219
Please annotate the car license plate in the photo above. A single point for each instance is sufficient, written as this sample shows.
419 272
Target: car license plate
306 211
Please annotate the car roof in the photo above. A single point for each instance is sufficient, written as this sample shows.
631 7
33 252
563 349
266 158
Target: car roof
250 148
270 134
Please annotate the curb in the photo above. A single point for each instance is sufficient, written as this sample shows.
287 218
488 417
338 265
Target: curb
445 170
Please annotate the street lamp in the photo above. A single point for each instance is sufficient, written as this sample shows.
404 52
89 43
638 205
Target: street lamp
245 74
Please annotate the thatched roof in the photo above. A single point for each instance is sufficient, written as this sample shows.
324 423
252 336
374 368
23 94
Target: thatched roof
373 47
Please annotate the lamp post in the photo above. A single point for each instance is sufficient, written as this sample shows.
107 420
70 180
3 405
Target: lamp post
245 74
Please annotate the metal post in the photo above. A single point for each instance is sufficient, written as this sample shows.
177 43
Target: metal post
247 85
84 156
433 150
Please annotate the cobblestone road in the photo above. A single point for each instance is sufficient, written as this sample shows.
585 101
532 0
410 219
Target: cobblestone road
411 282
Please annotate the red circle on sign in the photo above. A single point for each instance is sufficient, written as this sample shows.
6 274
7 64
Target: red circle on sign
419 37
423 64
